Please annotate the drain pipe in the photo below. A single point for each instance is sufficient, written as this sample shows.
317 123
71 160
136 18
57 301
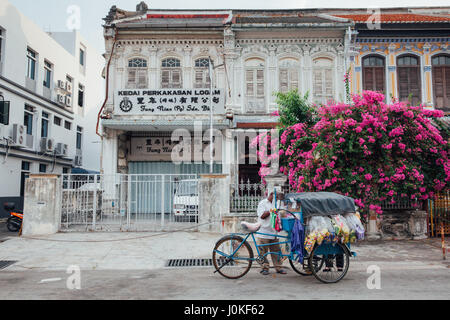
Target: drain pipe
106 99
107 85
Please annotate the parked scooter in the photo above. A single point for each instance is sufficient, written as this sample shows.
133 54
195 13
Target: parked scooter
14 222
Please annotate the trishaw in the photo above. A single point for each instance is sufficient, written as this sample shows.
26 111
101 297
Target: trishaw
233 255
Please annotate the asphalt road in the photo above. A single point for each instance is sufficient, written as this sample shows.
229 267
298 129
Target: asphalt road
397 282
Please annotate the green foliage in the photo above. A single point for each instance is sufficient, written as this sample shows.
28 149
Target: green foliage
294 108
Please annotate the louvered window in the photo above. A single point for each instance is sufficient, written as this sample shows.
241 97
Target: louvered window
441 82
409 83
288 79
255 93
323 80
201 70
171 73
137 74
374 73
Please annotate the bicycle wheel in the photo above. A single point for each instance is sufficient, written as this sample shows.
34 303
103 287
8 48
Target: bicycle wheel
229 265
303 269
335 263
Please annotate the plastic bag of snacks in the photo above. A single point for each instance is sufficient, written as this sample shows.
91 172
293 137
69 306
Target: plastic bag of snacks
331 230
351 224
359 228
341 227
317 232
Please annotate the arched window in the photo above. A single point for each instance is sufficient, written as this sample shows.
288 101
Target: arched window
374 73
441 81
323 80
409 84
137 73
254 85
288 75
171 73
201 70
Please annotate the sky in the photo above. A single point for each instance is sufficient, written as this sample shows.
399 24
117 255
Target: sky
60 15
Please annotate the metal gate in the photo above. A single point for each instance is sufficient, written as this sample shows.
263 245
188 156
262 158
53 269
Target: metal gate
129 202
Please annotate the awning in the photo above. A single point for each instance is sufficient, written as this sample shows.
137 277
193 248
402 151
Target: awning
158 125
83 171
323 203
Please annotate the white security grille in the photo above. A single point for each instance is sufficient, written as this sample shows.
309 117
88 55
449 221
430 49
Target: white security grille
134 202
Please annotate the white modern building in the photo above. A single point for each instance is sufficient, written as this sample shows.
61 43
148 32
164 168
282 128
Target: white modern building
51 88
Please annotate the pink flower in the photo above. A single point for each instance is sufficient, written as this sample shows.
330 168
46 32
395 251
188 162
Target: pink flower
368 177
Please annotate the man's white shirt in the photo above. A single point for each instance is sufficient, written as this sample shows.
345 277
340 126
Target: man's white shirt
265 205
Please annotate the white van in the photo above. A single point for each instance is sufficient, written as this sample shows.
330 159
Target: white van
185 201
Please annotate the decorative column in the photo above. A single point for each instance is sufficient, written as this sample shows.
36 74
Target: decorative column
307 74
391 81
275 182
427 85
272 74
341 63
357 72
153 67
372 232
187 67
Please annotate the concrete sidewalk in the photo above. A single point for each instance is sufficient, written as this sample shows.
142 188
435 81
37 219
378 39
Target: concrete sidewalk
105 251
147 251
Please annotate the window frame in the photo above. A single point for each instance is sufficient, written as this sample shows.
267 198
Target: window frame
79 138
81 91
69 126
171 71
45 124
324 71
59 120
138 66
2 42
28 113
31 60
374 67
201 67
408 67
48 74
4 115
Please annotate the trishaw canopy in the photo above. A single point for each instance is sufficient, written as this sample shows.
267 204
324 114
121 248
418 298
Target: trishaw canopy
322 203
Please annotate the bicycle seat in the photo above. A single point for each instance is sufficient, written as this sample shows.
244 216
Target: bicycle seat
251 227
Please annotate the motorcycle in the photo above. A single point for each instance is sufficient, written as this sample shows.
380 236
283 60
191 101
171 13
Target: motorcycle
14 222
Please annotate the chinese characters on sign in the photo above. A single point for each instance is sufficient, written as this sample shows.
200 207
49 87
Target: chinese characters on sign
161 148
169 102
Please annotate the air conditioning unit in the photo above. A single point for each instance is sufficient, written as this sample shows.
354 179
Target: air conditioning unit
47 145
61 85
78 161
68 101
19 135
61 99
68 87
61 149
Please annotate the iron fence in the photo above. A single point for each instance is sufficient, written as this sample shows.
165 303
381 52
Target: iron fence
134 202
245 197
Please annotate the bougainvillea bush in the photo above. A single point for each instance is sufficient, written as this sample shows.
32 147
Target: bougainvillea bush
369 150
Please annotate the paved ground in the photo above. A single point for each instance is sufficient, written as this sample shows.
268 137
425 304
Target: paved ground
5 233
133 267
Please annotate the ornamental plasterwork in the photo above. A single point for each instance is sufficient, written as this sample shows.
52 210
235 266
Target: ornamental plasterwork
323 48
289 49
255 49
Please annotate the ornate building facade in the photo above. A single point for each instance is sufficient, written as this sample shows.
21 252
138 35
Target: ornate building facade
160 62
